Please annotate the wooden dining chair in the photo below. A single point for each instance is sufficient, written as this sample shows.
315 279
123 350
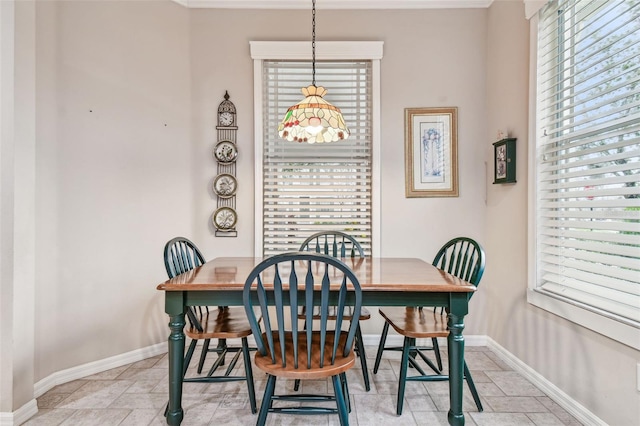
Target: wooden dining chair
342 245
222 323
462 257
277 287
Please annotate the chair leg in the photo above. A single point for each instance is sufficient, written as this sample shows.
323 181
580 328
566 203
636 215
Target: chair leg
222 345
428 362
266 400
340 401
403 374
248 372
187 358
345 389
218 362
203 355
383 339
472 387
363 358
436 350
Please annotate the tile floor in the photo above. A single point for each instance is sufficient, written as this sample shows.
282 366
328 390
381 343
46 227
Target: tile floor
136 394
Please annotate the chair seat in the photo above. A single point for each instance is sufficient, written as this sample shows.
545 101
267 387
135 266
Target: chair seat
225 323
416 323
348 313
340 365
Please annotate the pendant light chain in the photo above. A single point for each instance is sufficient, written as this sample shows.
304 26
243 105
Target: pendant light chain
313 42
313 120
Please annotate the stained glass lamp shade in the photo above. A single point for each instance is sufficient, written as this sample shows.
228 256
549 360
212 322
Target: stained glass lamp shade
313 120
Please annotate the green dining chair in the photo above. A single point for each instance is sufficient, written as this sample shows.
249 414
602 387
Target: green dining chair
462 257
341 245
276 288
222 323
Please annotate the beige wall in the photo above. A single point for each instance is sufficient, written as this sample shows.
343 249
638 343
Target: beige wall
431 58
597 372
113 154
113 183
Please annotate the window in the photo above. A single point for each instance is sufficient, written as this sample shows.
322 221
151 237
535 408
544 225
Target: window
305 188
586 165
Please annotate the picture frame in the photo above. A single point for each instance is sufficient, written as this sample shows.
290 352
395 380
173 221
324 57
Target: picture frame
504 161
431 152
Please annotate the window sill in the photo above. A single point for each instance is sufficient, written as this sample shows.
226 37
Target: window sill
616 330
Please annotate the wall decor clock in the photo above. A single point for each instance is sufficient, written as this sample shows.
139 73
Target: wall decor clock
225 184
226 113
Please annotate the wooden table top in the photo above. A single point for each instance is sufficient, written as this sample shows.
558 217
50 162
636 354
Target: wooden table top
374 274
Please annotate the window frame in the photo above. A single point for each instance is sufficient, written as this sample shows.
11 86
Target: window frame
598 321
325 50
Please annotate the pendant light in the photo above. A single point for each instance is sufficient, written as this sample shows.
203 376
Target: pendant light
313 119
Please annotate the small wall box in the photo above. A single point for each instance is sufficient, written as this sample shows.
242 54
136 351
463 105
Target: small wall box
504 156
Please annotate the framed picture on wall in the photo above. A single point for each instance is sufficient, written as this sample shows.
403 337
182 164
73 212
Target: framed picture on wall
431 152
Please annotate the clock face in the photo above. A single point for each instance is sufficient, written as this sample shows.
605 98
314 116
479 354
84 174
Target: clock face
225 119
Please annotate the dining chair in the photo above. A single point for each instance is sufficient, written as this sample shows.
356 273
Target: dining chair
462 257
222 323
276 288
342 245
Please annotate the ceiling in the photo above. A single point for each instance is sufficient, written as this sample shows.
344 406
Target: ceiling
335 4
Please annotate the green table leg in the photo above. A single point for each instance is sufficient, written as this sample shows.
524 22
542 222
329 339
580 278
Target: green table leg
457 311
175 309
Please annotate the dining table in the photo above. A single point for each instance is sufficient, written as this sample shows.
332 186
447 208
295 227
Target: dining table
385 281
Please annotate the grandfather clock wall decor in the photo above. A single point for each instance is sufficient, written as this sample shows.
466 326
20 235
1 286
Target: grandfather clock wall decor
225 184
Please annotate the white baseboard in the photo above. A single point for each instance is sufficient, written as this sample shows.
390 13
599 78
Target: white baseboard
21 415
573 407
28 410
577 410
74 373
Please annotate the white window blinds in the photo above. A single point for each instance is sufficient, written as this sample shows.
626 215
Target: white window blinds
309 188
587 155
